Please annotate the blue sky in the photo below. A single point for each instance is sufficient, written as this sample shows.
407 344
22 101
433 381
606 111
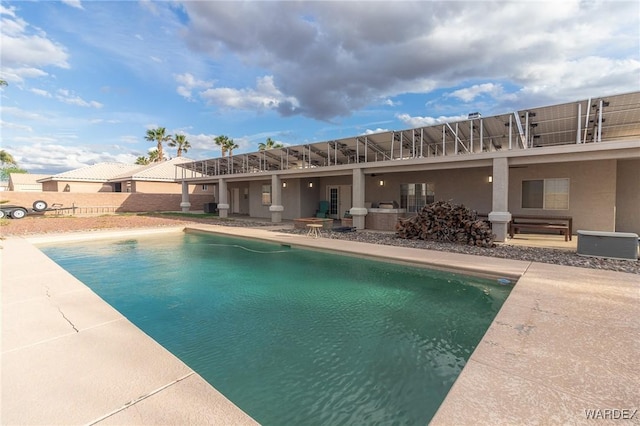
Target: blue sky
86 79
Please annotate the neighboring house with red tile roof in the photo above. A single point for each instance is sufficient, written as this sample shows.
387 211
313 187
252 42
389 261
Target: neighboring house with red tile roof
25 182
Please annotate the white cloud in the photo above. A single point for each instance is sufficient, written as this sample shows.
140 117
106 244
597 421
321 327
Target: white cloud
418 121
73 3
187 83
603 75
19 75
337 57
24 47
102 120
391 103
374 131
15 126
13 27
149 6
129 139
40 154
264 96
470 93
22 114
67 97
201 141
41 92
10 11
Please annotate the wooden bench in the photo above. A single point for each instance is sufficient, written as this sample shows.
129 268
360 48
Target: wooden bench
561 224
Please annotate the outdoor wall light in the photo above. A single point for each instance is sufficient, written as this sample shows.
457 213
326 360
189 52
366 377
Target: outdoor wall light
489 178
310 184
284 184
381 183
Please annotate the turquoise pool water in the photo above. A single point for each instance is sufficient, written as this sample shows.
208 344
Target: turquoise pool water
295 336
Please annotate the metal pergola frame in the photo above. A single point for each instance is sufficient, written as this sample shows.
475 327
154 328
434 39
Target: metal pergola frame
588 121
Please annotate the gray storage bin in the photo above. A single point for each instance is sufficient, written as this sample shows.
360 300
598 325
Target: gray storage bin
613 245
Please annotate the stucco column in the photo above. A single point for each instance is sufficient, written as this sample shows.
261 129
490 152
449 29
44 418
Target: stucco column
185 205
223 205
500 216
358 211
276 207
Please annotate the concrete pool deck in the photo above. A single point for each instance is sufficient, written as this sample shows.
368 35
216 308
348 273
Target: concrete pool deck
565 341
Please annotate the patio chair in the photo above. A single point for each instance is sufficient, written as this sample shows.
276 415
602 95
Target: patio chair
323 209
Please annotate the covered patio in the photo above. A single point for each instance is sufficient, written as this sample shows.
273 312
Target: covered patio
500 165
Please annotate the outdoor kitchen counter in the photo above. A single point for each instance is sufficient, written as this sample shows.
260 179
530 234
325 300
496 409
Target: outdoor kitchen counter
383 219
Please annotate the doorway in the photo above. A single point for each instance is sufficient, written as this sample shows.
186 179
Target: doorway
339 197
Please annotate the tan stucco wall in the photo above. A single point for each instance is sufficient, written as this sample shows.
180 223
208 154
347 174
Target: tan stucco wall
197 189
25 188
465 186
297 199
592 192
69 186
156 187
595 188
146 187
256 209
143 187
293 198
50 186
628 196
468 187
244 199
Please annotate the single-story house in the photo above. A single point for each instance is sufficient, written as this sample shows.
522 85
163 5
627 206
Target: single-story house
155 178
25 182
580 160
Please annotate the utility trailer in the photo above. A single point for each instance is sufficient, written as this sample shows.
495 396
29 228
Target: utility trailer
18 212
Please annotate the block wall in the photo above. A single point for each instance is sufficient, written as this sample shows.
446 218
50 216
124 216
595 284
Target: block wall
121 202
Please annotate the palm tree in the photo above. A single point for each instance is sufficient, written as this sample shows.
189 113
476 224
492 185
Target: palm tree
142 160
3 83
6 158
155 156
159 136
222 141
181 142
8 165
270 144
230 146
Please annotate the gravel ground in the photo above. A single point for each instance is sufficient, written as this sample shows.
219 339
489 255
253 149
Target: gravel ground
34 225
505 251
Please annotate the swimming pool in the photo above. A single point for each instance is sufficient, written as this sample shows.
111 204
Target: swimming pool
295 336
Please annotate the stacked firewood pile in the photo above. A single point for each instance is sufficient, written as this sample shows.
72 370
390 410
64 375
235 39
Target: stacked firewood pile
443 221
